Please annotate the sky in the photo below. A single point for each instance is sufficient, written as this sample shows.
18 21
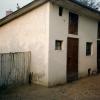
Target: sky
11 4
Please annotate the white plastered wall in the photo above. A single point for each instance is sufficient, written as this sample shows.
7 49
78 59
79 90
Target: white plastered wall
29 32
87 33
57 59
59 31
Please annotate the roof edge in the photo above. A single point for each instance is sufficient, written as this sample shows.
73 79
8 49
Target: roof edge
36 3
21 11
84 6
78 8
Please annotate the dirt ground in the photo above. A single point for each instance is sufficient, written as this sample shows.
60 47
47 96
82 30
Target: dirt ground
83 89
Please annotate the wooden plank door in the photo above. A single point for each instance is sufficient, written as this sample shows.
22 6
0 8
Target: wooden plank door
72 59
98 56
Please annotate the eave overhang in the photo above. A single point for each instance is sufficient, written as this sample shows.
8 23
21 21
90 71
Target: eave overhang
21 11
77 7
72 5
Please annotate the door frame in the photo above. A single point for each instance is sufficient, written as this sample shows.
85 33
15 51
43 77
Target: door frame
98 70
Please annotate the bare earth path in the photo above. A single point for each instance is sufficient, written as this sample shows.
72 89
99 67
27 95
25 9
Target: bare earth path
84 89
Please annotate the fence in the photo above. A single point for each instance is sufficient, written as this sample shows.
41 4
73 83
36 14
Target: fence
14 68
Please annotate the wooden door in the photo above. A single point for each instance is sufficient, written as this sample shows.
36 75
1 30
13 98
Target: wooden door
73 23
98 56
72 59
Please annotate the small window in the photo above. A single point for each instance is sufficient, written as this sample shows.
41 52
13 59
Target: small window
58 45
88 48
98 29
60 11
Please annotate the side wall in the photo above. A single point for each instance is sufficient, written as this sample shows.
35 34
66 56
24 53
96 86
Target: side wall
59 31
29 32
87 33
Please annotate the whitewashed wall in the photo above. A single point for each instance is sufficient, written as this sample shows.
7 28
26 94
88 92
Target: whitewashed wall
57 59
59 31
87 33
29 33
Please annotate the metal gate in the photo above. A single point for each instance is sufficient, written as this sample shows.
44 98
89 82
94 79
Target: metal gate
14 68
